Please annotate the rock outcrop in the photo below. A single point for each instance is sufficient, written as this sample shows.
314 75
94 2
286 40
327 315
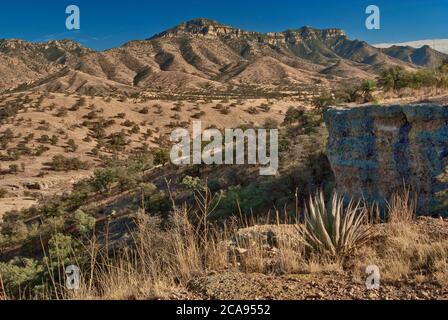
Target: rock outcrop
207 28
376 150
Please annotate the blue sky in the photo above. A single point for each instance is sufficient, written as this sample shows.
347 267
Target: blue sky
106 24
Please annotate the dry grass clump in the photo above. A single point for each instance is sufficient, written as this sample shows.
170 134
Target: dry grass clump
402 207
403 249
404 253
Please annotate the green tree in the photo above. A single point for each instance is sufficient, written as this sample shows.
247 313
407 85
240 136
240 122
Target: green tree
104 179
367 89
84 223
161 157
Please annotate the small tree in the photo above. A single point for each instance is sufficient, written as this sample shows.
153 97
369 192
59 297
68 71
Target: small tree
367 89
323 101
72 146
103 180
161 157
84 222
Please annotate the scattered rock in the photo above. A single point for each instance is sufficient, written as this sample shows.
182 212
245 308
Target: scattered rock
35 186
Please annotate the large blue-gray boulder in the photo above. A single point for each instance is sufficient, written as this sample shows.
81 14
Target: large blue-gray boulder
377 150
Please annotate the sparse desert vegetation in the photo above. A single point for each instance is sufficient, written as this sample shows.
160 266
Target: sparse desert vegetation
86 177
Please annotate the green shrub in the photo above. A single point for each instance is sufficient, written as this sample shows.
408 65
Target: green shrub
144 110
161 157
13 228
84 223
3 193
61 163
71 146
61 250
17 276
104 179
13 168
323 101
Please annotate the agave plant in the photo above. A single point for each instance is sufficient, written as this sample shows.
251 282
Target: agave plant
335 230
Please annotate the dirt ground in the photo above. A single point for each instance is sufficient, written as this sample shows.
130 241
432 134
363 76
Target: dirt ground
324 286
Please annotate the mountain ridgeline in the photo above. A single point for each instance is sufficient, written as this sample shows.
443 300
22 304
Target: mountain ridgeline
203 55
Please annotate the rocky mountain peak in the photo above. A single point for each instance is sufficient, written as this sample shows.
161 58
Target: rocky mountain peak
206 28
203 28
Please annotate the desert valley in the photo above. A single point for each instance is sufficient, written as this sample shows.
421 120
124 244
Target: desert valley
86 177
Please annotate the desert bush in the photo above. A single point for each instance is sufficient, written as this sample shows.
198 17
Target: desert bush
244 200
61 163
128 123
71 146
161 157
18 276
3 193
28 137
62 112
323 101
252 110
135 129
91 115
270 123
103 180
13 168
398 78
144 110
367 88
54 140
198 115
117 141
176 108
44 139
13 228
40 150
61 249
5 138
225 111
80 103
84 222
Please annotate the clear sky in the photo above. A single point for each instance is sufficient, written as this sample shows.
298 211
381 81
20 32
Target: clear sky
106 24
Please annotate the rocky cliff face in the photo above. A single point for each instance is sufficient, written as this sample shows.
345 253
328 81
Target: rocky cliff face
375 150
206 28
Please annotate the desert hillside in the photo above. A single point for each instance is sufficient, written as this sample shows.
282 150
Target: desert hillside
202 55
86 176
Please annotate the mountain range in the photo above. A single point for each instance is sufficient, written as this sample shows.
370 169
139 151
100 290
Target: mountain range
202 54
437 44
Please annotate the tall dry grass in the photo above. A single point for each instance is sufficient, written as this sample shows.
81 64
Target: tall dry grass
406 250
402 207
163 261
165 257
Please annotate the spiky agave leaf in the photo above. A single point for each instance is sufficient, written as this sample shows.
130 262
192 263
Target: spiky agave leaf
336 230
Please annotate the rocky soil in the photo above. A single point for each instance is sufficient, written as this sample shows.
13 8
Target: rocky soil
324 286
